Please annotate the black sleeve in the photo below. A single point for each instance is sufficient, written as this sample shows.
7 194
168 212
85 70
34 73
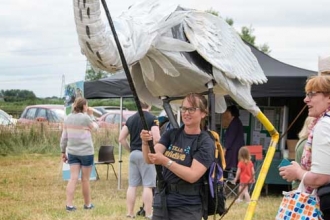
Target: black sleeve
205 152
165 139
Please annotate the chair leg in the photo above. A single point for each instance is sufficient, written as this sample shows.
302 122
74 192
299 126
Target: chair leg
114 171
230 189
97 173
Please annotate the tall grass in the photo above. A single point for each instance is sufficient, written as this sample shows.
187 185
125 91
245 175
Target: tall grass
31 188
43 139
31 185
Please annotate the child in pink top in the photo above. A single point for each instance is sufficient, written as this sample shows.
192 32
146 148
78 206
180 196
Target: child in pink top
245 174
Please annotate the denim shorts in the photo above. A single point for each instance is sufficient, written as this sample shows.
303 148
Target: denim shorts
85 161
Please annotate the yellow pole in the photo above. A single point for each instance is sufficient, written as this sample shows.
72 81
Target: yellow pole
265 166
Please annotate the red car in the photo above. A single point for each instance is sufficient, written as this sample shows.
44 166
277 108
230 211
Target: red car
112 118
52 115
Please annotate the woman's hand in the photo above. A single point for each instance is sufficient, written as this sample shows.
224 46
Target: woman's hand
64 158
157 158
145 136
90 111
290 172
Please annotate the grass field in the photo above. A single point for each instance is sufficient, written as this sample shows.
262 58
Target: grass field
31 187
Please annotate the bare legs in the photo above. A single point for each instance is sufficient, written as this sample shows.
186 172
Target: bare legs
86 173
147 197
74 175
130 200
245 194
70 188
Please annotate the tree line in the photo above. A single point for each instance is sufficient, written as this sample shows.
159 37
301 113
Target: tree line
17 95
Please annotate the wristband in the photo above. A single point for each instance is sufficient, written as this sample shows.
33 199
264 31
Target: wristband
169 163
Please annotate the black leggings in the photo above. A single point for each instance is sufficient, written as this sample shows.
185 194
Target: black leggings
191 212
325 206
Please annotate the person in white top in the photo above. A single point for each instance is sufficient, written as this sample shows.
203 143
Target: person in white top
316 156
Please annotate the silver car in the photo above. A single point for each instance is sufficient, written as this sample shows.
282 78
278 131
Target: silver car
6 119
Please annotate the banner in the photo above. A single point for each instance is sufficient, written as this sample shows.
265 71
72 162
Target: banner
72 91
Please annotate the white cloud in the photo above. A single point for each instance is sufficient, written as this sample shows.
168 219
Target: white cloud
39 42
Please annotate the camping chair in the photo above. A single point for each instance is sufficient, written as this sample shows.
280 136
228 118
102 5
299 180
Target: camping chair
229 187
106 157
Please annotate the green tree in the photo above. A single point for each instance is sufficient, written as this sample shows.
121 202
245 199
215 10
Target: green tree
247 35
212 11
265 48
230 21
92 75
14 95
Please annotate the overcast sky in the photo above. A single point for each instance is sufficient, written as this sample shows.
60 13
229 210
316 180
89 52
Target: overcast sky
39 41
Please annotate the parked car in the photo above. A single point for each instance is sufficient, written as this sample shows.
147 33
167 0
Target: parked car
53 115
112 118
106 109
6 119
97 113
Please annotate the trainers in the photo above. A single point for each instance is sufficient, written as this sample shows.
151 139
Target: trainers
238 201
91 206
70 208
148 217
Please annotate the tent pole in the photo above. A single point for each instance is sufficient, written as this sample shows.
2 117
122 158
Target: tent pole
211 103
120 147
159 168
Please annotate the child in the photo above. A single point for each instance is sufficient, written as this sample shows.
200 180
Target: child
245 174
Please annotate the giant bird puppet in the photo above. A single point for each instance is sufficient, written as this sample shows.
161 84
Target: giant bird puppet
172 51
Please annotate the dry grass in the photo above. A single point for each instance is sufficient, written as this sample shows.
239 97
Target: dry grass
31 187
42 138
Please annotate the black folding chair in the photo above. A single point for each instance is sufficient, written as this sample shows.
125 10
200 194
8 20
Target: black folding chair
106 157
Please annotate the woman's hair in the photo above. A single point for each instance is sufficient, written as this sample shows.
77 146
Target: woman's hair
78 105
303 134
319 83
198 101
234 111
325 73
244 154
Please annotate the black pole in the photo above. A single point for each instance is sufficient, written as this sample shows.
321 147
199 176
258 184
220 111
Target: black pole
131 84
125 66
211 110
168 109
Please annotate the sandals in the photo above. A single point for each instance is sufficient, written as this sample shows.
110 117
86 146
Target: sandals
130 216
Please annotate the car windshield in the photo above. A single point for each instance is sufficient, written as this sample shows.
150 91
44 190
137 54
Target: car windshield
59 113
4 120
4 113
127 116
